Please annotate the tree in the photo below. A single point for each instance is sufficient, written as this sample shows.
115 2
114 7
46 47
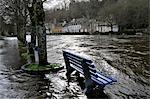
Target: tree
37 16
20 10
16 11
41 33
128 14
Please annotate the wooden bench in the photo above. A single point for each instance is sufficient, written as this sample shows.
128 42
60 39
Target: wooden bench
86 67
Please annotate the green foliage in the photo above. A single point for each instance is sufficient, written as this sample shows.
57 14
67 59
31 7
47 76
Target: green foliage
22 48
25 56
36 67
53 66
23 51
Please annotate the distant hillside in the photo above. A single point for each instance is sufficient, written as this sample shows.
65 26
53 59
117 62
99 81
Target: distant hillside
128 14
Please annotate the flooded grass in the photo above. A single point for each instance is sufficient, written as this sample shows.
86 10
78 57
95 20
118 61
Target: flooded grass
36 67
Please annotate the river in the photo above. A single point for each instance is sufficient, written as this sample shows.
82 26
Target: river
125 58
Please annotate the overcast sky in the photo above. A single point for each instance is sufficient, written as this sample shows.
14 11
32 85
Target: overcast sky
56 3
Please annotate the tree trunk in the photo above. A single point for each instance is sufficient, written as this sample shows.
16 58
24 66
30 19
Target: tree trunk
120 28
32 12
20 29
111 26
37 17
41 33
42 45
20 22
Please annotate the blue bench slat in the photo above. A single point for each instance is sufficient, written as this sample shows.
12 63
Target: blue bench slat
78 56
74 60
103 77
92 69
91 64
73 57
78 61
99 81
92 73
78 65
67 53
70 56
77 69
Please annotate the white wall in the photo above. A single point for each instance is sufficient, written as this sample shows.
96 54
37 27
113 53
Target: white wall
72 28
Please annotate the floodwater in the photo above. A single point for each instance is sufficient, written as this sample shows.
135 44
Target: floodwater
15 84
125 58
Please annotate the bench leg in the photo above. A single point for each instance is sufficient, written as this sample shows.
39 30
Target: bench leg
88 86
77 74
88 90
95 92
101 89
68 74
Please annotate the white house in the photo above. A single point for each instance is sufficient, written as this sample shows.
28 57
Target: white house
85 25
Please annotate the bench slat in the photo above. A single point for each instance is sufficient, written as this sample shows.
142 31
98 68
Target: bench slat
78 65
92 69
99 81
73 57
75 61
92 73
78 62
103 77
78 56
77 69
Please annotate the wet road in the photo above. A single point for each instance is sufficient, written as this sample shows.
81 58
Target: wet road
125 58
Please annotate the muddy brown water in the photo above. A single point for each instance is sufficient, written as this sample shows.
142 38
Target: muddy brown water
125 58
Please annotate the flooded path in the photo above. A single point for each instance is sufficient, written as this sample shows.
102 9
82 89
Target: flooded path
125 58
14 84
